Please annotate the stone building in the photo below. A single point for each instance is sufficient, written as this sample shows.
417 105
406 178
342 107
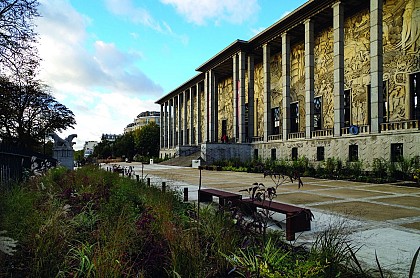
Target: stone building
331 79
143 119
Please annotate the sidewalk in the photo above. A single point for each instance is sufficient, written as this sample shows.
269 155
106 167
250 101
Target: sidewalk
380 217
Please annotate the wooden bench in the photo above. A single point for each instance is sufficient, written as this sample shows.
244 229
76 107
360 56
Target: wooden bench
206 195
297 219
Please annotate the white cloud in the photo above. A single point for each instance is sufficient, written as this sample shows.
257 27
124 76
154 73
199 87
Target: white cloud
199 12
103 87
138 15
135 14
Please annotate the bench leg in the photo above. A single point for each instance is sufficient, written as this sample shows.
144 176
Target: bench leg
290 233
204 197
297 222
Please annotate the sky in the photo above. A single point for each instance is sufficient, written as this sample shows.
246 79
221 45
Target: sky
109 60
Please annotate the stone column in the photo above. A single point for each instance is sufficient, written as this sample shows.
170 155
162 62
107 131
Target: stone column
174 123
169 123
165 126
241 99
180 143
285 65
206 108
215 106
198 132
184 118
250 97
212 108
267 91
235 96
191 139
161 127
309 76
338 29
376 66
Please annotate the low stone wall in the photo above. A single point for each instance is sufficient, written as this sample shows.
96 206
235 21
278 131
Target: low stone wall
369 147
211 152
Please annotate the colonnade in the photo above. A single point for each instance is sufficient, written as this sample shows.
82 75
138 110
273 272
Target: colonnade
175 130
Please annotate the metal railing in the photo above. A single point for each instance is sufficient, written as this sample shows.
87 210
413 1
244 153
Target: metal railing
275 137
296 135
401 125
322 133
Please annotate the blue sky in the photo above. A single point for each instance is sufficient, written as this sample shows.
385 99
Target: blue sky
109 60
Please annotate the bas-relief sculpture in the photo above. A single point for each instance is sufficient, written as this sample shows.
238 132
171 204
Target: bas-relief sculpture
259 99
357 65
401 53
276 84
297 81
225 99
323 75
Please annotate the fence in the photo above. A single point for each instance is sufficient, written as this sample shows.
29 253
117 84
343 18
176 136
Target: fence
16 163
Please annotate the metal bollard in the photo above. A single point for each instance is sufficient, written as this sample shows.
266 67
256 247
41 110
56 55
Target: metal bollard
137 178
148 181
163 186
185 194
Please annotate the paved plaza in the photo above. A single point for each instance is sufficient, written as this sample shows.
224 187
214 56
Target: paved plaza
379 217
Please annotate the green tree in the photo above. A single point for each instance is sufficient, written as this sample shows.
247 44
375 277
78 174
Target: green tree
29 112
124 146
103 149
147 140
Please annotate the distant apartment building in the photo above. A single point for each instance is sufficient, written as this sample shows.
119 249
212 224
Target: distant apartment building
89 147
143 119
110 137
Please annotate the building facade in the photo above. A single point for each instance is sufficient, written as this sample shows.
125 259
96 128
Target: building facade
89 147
143 119
331 79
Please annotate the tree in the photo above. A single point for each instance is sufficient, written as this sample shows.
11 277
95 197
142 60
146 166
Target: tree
124 146
147 140
17 37
29 112
103 149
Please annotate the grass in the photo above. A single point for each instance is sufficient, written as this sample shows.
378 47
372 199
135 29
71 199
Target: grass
93 223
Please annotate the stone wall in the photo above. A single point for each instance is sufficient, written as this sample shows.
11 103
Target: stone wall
370 147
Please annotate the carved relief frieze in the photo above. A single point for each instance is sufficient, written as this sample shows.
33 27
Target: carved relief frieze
225 100
357 65
323 71
401 41
259 99
276 83
297 82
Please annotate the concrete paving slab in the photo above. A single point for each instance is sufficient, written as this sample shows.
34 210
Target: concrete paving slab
303 198
411 201
394 189
368 210
352 193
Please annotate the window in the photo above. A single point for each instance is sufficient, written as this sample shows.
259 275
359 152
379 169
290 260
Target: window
275 115
347 105
396 152
255 154
273 154
353 153
415 96
385 101
320 153
318 113
294 153
294 117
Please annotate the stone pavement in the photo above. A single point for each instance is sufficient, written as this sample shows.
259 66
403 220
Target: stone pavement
380 218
